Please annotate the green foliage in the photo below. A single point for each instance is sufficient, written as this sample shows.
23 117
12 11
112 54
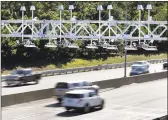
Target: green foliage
12 53
83 63
83 10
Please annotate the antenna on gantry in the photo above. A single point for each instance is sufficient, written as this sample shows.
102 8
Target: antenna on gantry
68 44
108 46
92 45
148 47
50 44
29 44
131 47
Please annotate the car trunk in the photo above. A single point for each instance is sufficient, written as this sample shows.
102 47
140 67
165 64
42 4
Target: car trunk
61 88
73 99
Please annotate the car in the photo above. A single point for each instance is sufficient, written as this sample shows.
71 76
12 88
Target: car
138 70
165 65
22 76
82 99
141 63
62 87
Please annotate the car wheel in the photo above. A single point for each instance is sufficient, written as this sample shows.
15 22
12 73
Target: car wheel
86 109
67 108
102 105
59 100
36 81
19 84
8 84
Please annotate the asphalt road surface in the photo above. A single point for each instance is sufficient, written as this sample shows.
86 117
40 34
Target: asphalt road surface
50 82
143 101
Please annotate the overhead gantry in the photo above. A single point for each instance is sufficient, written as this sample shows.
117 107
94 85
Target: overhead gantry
99 32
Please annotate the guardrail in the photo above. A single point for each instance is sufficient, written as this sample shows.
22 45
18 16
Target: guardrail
7 100
90 68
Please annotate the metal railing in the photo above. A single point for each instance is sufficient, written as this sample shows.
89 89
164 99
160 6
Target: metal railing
90 68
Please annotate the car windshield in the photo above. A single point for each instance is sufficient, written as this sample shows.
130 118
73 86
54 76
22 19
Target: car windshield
20 72
74 95
138 63
138 69
87 83
62 85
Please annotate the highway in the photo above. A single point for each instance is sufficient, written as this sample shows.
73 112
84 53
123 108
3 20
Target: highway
50 81
143 101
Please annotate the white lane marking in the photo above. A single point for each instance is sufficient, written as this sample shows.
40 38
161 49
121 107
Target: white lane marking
136 113
137 107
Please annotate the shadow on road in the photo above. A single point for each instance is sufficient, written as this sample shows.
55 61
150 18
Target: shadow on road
69 114
54 105
73 113
26 84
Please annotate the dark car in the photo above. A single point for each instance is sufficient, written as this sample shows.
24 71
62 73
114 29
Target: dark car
19 77
165 65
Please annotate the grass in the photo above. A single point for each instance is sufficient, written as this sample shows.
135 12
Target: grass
82 63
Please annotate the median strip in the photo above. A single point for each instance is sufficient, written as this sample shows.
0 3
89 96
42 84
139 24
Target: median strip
13 99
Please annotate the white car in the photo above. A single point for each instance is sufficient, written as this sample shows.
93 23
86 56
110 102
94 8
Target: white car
62 87
82 100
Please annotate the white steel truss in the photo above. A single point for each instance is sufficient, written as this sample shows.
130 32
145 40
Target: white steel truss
85 29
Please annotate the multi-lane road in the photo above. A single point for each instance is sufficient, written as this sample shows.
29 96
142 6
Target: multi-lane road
50 82
143 101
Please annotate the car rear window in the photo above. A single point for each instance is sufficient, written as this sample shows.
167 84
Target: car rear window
74 95
62 85
139 69
22 72
76 84
138 62
18 72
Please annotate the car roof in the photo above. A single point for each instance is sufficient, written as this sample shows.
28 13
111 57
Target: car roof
71 81
79 91
25 69
137 65
140 61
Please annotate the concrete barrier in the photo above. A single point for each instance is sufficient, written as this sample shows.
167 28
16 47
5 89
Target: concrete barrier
162 118
12 99
118 82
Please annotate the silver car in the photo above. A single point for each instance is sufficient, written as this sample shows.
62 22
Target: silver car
62 87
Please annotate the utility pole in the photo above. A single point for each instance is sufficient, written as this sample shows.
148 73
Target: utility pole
125 51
